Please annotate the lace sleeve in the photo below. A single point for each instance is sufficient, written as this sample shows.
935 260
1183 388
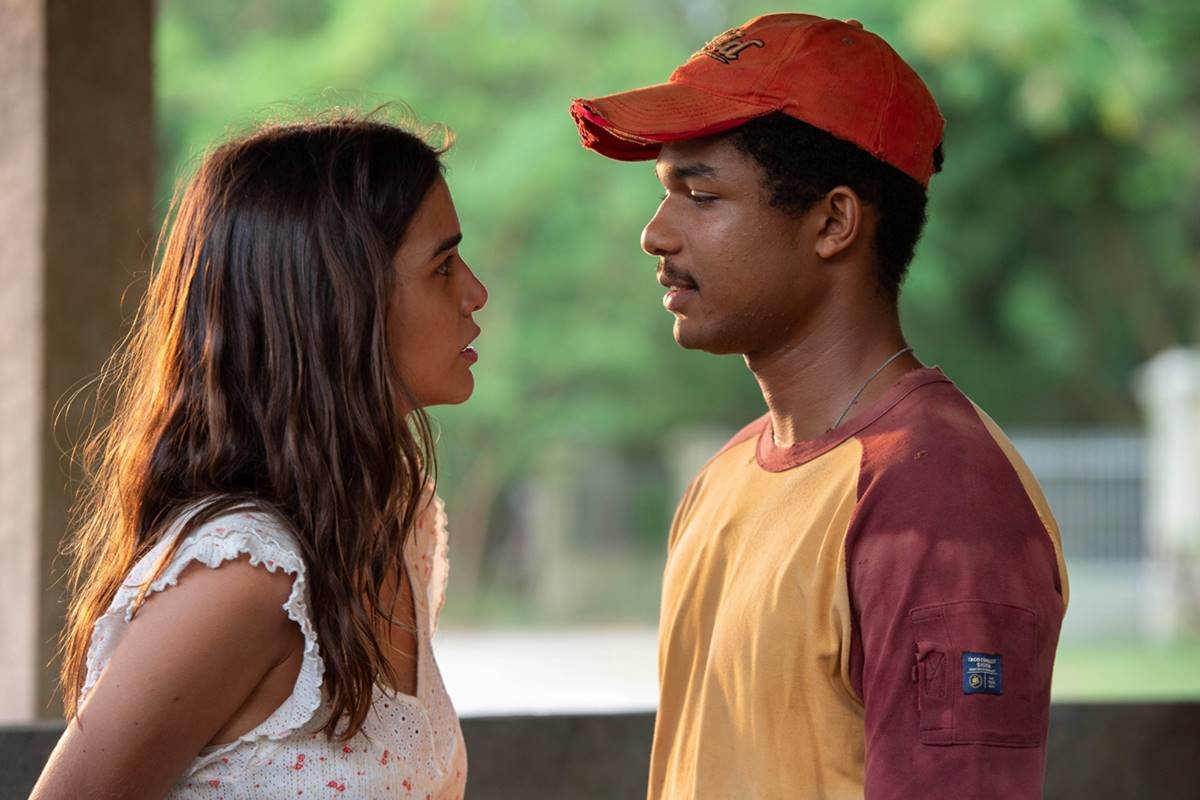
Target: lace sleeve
428 553
439 575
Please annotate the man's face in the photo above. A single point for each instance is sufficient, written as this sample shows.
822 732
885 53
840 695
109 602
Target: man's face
740 278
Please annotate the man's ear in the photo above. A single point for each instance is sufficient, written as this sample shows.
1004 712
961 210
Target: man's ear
842 222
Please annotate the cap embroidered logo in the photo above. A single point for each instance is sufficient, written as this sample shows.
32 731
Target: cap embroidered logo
729 45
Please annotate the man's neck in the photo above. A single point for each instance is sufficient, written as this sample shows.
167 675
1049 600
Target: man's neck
810 381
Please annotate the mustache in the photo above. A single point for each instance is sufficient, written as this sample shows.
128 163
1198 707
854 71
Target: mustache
670 273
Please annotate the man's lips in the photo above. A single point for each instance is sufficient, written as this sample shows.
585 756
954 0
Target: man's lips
677 297
680 289
673 280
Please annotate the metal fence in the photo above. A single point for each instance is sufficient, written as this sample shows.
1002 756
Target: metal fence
1093 480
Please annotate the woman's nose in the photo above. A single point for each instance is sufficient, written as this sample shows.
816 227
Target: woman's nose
476 296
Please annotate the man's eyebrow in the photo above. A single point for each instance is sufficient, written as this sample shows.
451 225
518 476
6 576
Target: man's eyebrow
447 244
678 172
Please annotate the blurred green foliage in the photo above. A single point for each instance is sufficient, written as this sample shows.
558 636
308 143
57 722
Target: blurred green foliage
1063 246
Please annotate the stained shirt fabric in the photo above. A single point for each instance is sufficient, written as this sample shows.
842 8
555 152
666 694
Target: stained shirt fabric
870 614
410 746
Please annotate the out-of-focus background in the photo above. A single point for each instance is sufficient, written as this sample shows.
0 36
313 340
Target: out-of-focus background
1062 256
1058 284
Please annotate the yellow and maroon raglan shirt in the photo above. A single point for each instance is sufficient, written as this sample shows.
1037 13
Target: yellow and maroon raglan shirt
873 613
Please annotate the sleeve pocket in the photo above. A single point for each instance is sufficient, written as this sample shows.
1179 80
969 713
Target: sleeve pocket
976 674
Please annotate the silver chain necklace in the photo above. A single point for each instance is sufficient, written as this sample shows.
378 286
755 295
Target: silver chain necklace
858 394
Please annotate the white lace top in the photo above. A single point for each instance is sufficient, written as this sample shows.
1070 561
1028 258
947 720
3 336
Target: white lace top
409 746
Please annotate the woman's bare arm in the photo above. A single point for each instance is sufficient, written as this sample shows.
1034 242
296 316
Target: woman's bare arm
188 661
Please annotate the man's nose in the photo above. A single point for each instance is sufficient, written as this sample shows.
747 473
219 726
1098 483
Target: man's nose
658 237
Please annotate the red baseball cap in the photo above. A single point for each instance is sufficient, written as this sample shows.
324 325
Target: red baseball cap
831 74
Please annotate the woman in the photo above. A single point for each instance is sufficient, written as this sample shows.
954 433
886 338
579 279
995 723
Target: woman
261 560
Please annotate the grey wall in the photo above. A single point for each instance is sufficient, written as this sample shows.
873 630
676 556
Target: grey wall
1096 752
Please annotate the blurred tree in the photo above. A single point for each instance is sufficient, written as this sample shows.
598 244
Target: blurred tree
1062 249
1061 252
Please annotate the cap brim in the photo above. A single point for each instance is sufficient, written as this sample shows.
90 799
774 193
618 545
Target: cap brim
634 125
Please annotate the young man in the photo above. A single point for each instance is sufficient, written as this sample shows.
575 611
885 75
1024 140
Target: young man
864 587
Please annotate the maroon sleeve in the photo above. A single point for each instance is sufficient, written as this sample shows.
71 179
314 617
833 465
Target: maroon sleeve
956 601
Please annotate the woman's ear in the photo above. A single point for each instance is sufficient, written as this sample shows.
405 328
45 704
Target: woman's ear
842 225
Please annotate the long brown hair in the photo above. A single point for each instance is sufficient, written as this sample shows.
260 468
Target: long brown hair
257 374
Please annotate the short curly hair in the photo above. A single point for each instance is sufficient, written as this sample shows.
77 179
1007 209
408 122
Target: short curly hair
803 163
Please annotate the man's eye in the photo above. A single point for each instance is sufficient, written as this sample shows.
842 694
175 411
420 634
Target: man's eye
699 198
444 267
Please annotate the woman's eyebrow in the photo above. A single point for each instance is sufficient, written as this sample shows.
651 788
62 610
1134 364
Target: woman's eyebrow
447 244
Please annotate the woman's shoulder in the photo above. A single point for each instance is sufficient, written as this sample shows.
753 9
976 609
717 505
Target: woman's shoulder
203 534
214 563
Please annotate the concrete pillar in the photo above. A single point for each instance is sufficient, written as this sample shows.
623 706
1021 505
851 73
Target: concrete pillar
76 166
1169 390
21 180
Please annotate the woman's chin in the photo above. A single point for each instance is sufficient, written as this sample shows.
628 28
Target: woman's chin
453 395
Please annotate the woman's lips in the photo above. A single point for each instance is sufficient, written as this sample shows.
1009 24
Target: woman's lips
677 297
469 354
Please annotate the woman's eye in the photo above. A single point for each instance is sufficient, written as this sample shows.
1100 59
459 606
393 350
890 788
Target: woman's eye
444 267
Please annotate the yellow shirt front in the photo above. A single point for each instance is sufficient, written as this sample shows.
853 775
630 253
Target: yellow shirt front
801 581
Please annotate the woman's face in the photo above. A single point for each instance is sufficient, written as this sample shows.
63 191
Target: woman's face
429 320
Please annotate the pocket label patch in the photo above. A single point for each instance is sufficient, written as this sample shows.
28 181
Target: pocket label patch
983 673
